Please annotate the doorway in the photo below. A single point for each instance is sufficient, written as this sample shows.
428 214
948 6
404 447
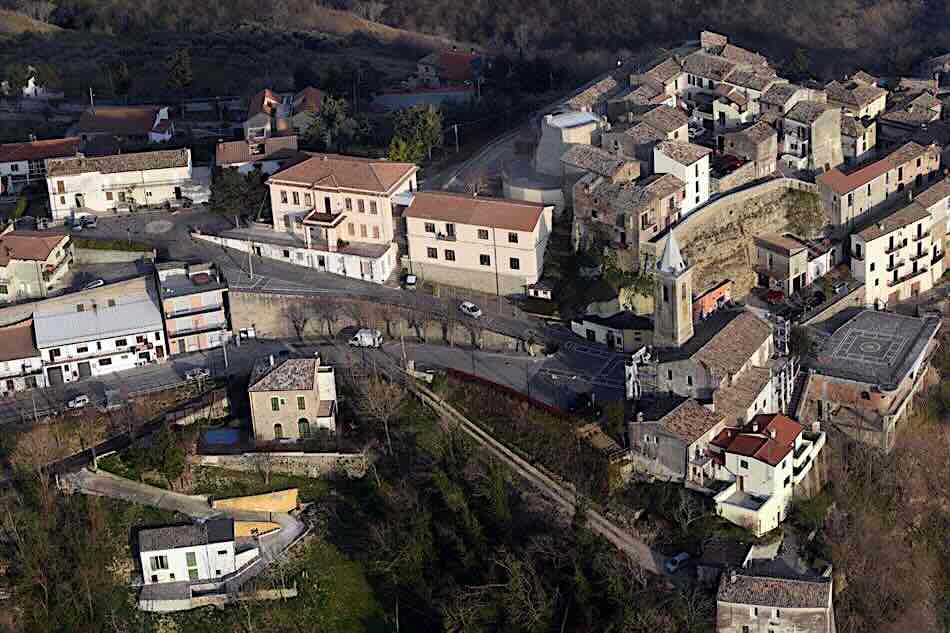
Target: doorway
177 193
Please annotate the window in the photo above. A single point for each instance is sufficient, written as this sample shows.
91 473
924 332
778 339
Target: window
869 188
430 227
689 381
80 307
918 162
872 267
778 613
484 260
349 204
278 432
449 255
363 230
158 563
850 199
111 303
192 573
696 174
3 290
669 374
286 254
512 238
158 336
82 350
60 186
105 362
275 404
666 294
120 342
308 199
450 229
350 229
361 206
62 199
433 253
222 552
514 263
15 167
190 559
743 464
296 195
788 481
301 403
372 207
303 427
283 197
745 628
108 195
376 232
483 234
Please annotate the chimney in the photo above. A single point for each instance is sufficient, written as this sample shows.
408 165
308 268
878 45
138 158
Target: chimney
772 433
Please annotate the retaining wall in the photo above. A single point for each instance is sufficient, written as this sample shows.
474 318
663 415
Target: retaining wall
312 465
97 256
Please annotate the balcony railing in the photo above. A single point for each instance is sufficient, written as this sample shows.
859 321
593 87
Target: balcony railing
936 257
907 277
189 311
920 255
445 238
897 263
896 247
922 235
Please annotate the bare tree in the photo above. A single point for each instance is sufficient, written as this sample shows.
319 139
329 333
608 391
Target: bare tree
521 37
88 428
37 9
264 462
370 10
299 317
35 450
327 309
378 399
688 510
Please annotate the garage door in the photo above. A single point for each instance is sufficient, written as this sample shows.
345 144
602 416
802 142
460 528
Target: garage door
55 375
84 370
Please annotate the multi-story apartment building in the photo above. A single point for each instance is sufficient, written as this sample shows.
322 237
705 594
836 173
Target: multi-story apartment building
112 328
337 213
810 136
31 263
936 199
194 306
893 256
487 244
121 182
849 197
21 366
690 164
292 399
25 163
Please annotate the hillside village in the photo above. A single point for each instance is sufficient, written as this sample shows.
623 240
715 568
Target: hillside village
690 277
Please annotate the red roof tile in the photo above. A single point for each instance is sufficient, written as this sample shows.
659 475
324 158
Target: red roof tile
333 171
756 439
39 150
499 213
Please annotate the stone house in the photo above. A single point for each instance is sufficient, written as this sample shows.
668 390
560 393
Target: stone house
894 256
305 104
668 74
291 400
704 72
267 155
634 140
782 97
594 98
810 136
858 138
690 164
267 115
909 114
757 143
781 262
850 197
856 98
752 83
587 159
25 163
866 374
747 603
32 263
731 109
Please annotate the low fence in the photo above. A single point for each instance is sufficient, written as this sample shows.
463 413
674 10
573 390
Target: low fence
313 465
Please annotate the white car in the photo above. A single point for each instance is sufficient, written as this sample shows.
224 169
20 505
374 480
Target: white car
78 402
197 373
94 284
470 309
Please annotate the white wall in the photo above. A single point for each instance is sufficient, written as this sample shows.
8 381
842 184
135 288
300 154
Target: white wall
105 355
696 177
213 561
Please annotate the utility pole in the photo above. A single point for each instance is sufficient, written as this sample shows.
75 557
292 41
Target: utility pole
250 260
224 346
456 128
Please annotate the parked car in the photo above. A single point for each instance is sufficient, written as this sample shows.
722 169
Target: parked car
839 287
367 338
197 373
78 402
470 309
584 405
676 563
98 283
112 401
89 221
409 282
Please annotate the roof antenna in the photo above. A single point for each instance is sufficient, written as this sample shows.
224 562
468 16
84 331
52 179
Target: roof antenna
92 102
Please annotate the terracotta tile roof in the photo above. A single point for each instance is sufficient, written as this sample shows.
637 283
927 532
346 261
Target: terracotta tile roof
594 94
308 100
499 213
293 374
643 93
16 341
915 84
922 109
728 92
708 66
852 127
779 94
864 78
757 78
755 439
913 212
933 194
779 593
682 152
452 65
234 152
662 117
742 55
635 196
595 160
758 132
731 347
39 150
644 134
733 401
665 70
141 161
121 120
28 245
854 93
808 112
843 183
689 420
334 171
264 101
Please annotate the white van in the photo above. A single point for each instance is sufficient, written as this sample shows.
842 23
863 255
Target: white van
367 338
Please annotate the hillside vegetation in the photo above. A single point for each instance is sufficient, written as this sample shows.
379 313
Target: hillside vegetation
13 23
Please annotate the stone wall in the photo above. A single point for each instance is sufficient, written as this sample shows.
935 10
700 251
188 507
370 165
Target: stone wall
718 238
281 315
312 465
98 256
741 176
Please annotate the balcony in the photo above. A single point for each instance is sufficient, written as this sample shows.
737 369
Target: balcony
189 311
131 186
920 255
923 235
895 247
896 282
442 237
937 256
897 263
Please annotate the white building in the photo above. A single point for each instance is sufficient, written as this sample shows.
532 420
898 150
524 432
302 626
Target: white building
486 244
95 333
32 263
689 163
20 364
123 182
559 132
25 163
764 461
186 558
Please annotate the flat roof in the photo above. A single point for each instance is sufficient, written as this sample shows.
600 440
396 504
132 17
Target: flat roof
877 348
66 328
780 243
573 119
